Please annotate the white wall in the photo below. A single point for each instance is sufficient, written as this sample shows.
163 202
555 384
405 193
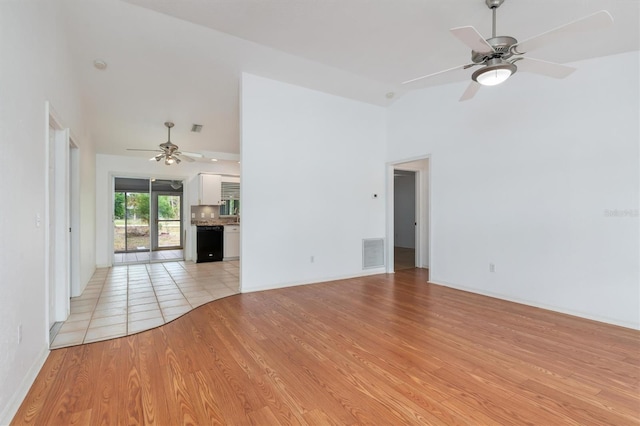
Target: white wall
108 166
523 176
33 70
311 163
87 205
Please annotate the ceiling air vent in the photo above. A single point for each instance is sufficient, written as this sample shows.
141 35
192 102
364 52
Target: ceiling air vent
372 253
196 128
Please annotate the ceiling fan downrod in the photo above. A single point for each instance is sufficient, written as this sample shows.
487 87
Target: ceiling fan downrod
493 5
169 125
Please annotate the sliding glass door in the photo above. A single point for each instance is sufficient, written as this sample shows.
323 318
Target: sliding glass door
147 220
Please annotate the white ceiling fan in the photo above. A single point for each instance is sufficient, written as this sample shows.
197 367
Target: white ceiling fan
170 151
498 55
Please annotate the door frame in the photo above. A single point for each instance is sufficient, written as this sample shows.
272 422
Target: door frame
423 210
57 220
74 216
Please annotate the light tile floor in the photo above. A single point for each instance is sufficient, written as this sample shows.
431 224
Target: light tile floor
127 299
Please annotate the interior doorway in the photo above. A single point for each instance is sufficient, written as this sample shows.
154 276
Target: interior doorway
408 208
404 219
147 220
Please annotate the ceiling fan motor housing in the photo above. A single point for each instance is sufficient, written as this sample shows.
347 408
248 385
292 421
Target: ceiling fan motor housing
502 49
168 147
493 4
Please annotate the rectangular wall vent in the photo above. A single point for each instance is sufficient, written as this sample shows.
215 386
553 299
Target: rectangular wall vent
372 253
196 128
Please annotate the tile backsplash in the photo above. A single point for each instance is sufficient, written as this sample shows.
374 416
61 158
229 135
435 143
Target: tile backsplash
197 212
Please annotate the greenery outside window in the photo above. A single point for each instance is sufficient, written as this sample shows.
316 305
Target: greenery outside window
230 208
230 199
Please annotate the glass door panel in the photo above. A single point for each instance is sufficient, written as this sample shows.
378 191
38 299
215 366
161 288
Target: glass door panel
137 234
131 224
169 221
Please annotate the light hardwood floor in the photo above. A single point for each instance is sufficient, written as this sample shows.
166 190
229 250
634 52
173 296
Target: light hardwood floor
382 350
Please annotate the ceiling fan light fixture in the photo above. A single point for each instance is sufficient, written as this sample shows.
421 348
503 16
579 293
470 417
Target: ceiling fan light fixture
495 72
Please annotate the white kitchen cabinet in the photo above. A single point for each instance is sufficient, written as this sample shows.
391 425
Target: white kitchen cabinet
210 190
231 242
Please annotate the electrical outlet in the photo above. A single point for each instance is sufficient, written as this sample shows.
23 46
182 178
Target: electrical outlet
212 215
193 215
492 267
202 215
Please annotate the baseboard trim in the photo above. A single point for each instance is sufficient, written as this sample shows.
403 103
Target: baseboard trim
547 307
376 271
10 410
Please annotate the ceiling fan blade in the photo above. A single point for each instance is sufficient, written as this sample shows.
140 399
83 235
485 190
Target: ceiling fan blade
184 157
459 67
472 38
144 150
596 21
471 91
192 154
550 69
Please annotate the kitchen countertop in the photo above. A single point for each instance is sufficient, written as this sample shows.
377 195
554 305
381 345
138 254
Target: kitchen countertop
213 222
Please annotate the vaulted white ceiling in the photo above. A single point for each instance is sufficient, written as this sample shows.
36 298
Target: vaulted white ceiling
181 60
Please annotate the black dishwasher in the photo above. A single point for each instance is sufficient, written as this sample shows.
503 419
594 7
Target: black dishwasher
210 243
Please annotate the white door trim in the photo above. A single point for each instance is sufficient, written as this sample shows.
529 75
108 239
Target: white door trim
57 267
74 217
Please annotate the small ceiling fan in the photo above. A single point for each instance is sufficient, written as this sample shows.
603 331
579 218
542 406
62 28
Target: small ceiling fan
498 55
170 151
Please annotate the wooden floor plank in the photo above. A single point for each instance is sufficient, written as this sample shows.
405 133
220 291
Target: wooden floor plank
384 349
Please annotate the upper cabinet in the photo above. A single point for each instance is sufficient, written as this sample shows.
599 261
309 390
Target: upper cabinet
210 190
218 190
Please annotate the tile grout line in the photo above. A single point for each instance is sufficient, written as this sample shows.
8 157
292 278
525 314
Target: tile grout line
178 287
86 331
153 287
